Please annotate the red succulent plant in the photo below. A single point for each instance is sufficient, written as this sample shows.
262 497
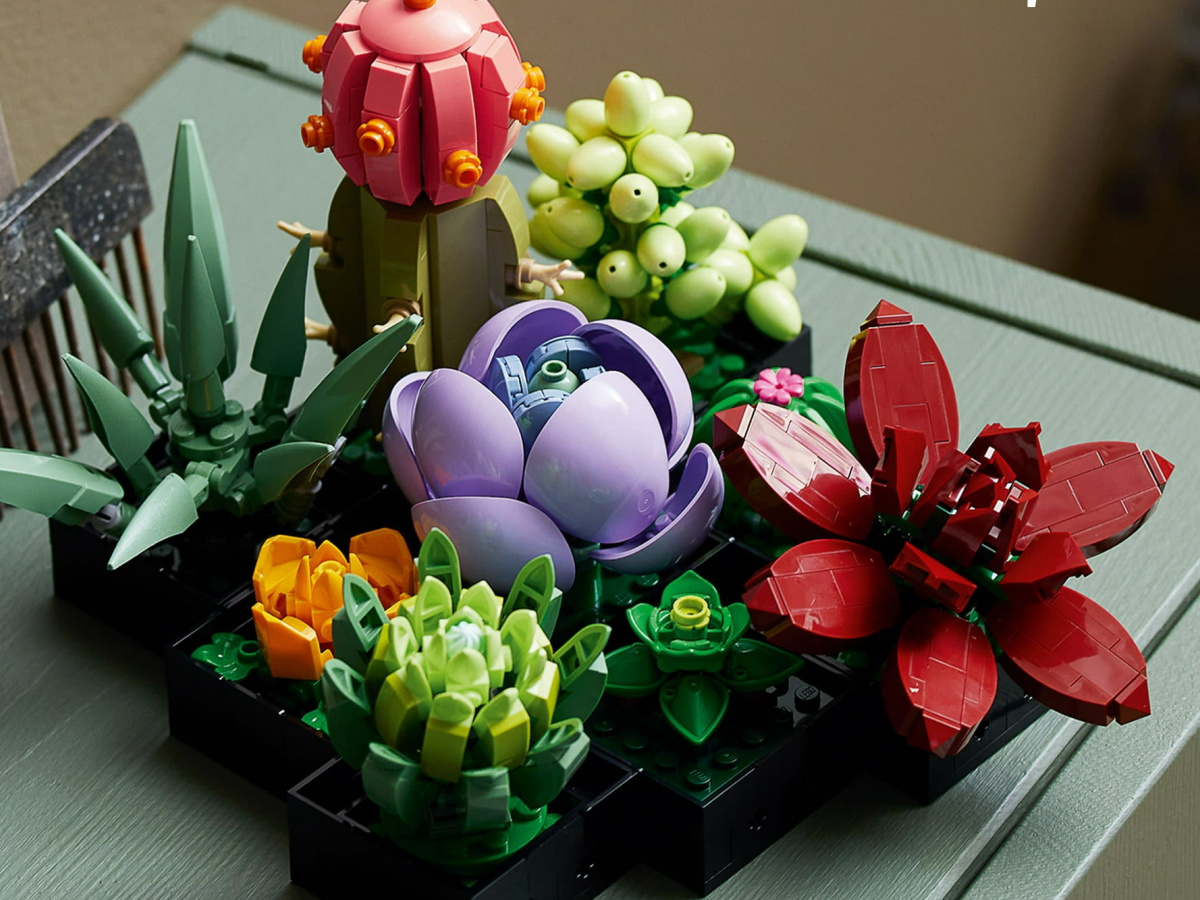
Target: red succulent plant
975 543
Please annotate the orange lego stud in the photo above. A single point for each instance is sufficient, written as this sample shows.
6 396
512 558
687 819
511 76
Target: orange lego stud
312 53
419 4
527 106
317 133
462 169
376 138
534 77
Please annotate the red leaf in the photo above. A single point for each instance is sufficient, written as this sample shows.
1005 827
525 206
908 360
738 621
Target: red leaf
1071 654
1099 493
895 375
793 474
940 681
821 595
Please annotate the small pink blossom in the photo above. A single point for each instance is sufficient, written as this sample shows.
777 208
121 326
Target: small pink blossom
778 386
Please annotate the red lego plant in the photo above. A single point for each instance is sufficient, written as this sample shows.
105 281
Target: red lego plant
987 538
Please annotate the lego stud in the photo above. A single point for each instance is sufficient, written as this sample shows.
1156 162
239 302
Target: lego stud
419 4
317 133
376 138
312 53
462 169
690 613
527 106
534 77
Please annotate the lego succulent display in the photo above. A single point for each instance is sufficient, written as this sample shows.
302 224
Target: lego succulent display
466 723
554 436
219 455
298 591
965 553
610 200
693 651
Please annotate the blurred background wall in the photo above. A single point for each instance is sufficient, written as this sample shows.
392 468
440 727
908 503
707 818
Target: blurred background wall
1057 135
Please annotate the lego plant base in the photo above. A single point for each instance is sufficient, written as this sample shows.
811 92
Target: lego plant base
707 811
336 851
252 726
925 776
168 590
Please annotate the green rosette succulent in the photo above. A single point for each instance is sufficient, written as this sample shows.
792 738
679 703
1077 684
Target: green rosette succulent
693 651
464 720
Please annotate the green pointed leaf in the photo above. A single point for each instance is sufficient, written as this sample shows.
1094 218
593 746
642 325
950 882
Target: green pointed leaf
393 782
169 510
439 558
202 339
739 621
694 705
192 210
280 345
576 656
552 761
357 625
275 467
336 400
485 793
755 665
57 488
117 328
123 431
534 589
633 672
639 620
347 712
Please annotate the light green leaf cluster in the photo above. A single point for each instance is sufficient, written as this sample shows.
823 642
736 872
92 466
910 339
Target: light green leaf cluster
610 200
460 684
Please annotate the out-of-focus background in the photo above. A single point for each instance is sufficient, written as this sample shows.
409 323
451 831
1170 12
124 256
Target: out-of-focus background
1066 136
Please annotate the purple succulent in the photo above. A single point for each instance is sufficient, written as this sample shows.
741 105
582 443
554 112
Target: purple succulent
552 426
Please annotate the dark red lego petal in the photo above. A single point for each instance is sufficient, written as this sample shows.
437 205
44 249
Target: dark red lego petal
793 474
1044 567
932 579
821 595
895 375
1071 654
940 681
904 455
1099 493
1019 447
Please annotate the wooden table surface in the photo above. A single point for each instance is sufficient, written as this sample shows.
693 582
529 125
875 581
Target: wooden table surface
97 801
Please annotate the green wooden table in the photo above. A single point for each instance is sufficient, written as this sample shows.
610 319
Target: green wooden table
97 801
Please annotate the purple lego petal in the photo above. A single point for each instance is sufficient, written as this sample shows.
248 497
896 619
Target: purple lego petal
495 537
599 467
518 331
683 524
464 439
397 437
628 348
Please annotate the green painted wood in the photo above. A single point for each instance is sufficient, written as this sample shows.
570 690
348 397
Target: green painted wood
85 757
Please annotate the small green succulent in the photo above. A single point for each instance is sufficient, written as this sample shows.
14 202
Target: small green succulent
693 651
464 720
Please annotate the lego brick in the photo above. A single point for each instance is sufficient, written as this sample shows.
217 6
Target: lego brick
259 737
392 95
447 123
342 94
334 852
704 813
